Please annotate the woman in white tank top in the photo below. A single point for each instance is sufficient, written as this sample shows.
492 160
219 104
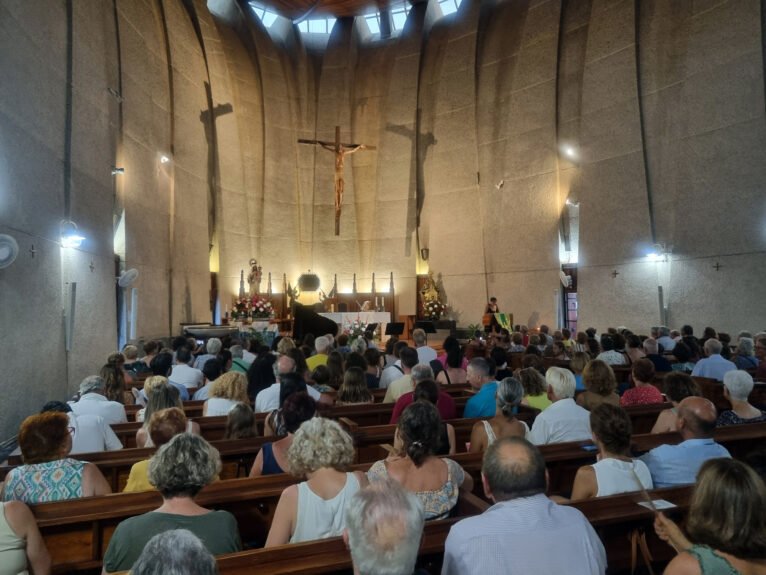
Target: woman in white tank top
509 394
615 471
316 509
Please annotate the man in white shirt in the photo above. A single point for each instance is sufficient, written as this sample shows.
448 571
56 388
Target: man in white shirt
714 365
425 354
90 433
667 342
409 358
93 402
563 420
268 399
524 531
184 375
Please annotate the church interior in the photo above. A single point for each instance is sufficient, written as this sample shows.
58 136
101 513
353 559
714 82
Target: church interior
586 162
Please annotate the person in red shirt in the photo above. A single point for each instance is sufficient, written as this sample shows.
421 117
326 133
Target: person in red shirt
445 405
644 393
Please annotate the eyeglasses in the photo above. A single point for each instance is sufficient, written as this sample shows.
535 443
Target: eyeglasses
71 430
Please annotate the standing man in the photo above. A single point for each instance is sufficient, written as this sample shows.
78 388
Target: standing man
524 531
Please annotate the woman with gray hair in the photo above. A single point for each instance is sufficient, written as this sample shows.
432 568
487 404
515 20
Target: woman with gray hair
737 386
175 552
316 508
745 356
509 394
179 470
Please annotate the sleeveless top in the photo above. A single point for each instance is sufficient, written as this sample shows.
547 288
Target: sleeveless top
436 503
13 556
615 476
40 482
491 437
320 518
150 443
270 465
219 406
710 562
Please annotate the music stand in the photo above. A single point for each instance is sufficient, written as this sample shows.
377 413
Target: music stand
395 328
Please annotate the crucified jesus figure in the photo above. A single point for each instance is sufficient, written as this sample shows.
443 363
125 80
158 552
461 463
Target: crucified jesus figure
341 151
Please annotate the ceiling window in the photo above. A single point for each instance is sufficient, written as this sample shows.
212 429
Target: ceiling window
399 17
266 16
449 6
373 22
316 26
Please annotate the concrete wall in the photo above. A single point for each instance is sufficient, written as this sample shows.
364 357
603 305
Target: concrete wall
663 108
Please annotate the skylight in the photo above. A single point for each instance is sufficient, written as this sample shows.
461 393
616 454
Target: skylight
399 17
317 25
449 6
266 16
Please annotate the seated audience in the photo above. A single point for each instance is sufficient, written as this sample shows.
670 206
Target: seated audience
22 549
737 386
672 465
151 349
344 348
240 422
374 361
227 391
212 348
677 386
643 392
444 402
184 375
668 343
500 358
272 457
384 526
682 355
47 473
397 388
212 370
713 365
652 350
320 379
425 353
517 343
725 526
163 396
393 371
454 363
163 425
132 363
634 348
179 470
238 362
608 354
428 390
564 420
535 388
274 423
162 365
354 390
558 351
481 377
524 531
316 508
93 401
760 353
600 385
615 471
414 464
745 356
504 424
90 433
175 552
322 347
580 342
261 375
268 399
577 365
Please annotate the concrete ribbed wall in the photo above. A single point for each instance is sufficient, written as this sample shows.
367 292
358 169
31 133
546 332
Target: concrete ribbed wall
664 107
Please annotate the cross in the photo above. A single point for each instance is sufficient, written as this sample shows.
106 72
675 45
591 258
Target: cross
92 266
615 273
717 266
341 151
32 250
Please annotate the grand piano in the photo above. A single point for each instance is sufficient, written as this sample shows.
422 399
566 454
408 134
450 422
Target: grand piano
306 320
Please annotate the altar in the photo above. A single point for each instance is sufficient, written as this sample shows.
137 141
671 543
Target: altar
345 319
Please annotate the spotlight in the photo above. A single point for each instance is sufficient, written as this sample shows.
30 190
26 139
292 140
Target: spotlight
117 171
572 203
164 159
70 236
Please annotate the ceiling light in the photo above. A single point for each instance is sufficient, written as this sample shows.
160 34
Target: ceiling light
117 171
70 236
164 159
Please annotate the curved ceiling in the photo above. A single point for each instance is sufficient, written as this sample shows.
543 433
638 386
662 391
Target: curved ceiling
299 9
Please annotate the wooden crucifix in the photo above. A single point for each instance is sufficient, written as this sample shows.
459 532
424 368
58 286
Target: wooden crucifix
341 151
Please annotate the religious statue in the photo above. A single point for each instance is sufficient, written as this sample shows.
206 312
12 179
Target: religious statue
254 277
429 291
341 151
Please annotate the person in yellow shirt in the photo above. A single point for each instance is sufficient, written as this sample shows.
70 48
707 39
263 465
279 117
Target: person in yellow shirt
163 425
323 347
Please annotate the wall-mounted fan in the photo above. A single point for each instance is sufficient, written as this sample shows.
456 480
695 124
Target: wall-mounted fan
127 278
9 250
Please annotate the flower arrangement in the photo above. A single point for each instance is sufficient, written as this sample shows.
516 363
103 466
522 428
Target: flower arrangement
261 307
354 329
434 309
240 309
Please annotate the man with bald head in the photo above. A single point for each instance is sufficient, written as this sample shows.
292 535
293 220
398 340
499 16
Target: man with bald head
524 531
672 465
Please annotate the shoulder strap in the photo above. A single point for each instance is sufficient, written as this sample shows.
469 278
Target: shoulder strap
446 374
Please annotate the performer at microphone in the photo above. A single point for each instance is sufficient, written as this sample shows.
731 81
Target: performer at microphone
492 306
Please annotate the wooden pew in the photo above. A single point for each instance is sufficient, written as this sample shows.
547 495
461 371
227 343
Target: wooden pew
713 390
77 533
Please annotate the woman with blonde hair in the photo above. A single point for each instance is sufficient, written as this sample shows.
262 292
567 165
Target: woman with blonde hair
353 390
150 384
163 396
600 385
726 524
227 391
579 360
509 394
316 508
